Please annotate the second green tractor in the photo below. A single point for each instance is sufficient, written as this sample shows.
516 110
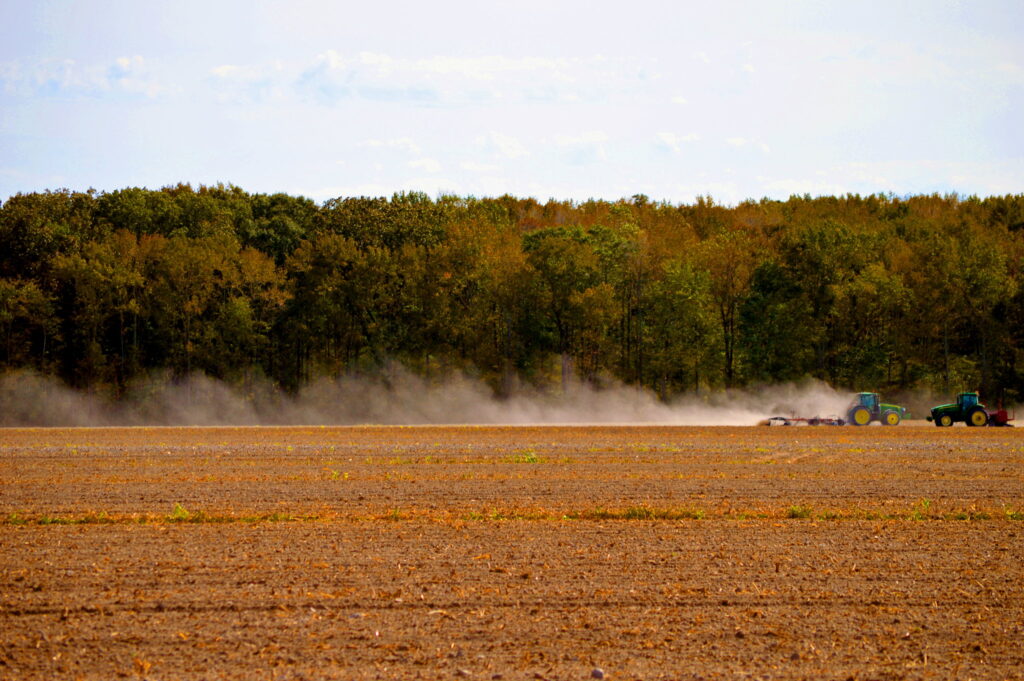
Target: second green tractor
967 409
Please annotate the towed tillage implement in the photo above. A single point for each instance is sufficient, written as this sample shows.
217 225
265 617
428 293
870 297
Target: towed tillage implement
865 408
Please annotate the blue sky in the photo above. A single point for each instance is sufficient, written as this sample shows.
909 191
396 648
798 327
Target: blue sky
571 100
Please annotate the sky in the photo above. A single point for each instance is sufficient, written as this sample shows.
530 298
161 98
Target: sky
566 100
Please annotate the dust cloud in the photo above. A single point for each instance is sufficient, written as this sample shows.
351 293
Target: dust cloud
397 397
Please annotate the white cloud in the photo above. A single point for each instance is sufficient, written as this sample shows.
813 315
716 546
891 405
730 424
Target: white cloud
679 99
474 167
130 74
248 84
67 77
405 144
333 60
430 165
225 70
584 148
490 67
248 73
746 142
502 145
475 68
1013 72
584 138
674 142
127 64
445 80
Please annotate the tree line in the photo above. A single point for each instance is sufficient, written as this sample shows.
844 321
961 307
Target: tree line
867 293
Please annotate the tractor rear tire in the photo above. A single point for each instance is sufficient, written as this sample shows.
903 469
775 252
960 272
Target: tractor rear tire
891 418
860 416
944 421
977 417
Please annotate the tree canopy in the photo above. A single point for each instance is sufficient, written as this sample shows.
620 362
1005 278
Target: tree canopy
868 293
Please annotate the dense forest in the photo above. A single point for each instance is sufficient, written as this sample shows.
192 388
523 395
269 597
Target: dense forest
876 292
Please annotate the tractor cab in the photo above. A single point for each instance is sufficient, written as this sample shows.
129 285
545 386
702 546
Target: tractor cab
869 400
967 400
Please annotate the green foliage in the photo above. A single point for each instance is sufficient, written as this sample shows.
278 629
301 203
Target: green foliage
774 348
179 514
28 321
680 337
641 513
922 511
525 456
877 291
799 512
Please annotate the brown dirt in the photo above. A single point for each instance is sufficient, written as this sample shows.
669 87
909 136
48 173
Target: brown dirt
513 553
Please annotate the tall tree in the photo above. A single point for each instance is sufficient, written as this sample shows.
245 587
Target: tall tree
729 260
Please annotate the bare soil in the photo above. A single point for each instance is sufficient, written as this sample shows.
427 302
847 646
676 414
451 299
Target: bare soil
512 553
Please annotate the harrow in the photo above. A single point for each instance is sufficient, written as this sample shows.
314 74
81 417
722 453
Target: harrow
799 421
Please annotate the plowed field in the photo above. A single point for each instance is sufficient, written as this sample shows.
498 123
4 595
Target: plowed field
512 553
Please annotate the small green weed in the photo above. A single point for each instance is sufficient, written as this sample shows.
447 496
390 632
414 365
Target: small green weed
524 456
921 511
640 513
799 512
179 515
744 515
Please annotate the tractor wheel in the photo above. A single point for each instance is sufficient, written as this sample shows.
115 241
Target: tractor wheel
945 421
860 416
891 418
977 417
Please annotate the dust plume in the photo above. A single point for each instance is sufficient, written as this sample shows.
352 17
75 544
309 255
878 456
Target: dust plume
396 397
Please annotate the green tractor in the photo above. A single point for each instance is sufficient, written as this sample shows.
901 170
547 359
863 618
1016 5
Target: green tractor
868 407
968 410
